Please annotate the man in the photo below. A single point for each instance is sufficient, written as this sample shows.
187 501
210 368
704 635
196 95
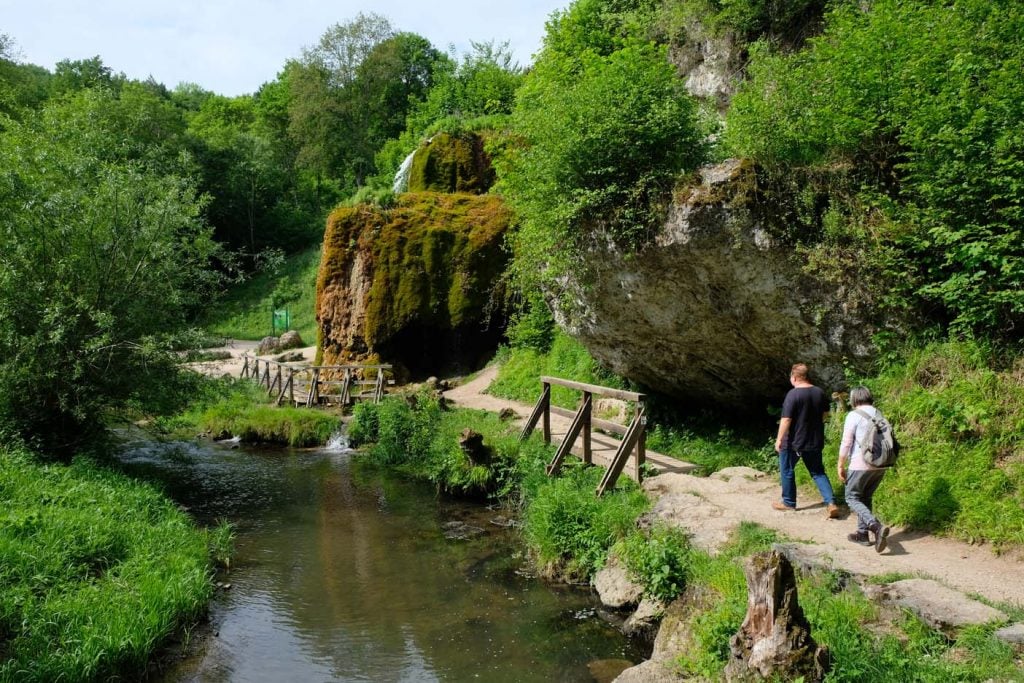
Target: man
862 478
802 437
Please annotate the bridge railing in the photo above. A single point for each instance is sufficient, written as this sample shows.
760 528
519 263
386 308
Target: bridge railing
633 435
309 385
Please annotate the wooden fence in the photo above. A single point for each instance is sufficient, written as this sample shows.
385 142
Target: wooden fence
311 385
633 435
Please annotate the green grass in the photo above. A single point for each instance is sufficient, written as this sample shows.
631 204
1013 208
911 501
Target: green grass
244 312
241 408
95 571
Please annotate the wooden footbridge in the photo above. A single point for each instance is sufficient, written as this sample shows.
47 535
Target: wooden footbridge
315 385
632 445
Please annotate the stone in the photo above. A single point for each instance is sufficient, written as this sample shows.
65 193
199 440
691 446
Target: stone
290 357
268 345
774 640
651 671
715 309
675 635
451 163
614 586
1013 634
643 623
606 670
506 414
704 521
940 607
291 340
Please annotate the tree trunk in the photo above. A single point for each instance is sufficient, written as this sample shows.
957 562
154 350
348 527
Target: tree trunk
775 638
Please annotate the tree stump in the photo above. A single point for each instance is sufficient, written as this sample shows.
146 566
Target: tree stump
775 638
472 445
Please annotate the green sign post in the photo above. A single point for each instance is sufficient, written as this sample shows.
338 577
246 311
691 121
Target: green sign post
279 320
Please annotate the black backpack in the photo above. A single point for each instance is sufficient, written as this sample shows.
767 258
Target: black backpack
882 448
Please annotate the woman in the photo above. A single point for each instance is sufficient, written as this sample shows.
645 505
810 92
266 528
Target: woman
862 478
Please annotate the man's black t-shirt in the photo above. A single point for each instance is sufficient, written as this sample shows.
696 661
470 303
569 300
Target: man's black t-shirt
805 406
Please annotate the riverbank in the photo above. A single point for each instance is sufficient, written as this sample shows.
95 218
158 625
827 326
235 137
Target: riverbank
96 570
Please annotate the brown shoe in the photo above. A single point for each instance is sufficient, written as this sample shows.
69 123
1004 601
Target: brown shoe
860 538
833 511
881 537
782 506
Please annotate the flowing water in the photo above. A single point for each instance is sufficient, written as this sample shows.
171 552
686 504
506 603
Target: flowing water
342 572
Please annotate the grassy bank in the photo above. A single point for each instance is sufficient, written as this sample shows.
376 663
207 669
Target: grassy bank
95 571
569 532
244 313
224 408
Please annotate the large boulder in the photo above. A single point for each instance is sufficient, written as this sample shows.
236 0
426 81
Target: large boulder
416 285
716 308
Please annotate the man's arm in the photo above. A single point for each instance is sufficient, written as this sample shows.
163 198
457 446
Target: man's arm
783 430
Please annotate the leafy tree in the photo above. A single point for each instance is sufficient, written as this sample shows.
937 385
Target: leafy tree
102 251
72 75
926 101
603 136
22 86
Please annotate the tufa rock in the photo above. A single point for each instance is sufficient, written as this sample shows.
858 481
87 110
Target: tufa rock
651 671
1013 634
607 670
775 638
643 623
451 163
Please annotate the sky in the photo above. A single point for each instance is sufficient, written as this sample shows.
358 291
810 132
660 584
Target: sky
233 46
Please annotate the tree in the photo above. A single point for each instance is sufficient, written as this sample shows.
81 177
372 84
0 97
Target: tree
102 251
72 75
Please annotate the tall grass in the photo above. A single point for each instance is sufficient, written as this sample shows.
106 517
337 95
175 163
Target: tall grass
245 311
242 408
95 570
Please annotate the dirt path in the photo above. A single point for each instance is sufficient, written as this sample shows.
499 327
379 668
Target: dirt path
711 506
233 365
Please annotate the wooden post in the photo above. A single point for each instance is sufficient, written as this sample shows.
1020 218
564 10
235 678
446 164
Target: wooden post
641 443
314 389
587 457
541 407
245 366
346 387
570 438
378 393
546 421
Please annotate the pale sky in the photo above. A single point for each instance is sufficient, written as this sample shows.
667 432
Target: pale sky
233 46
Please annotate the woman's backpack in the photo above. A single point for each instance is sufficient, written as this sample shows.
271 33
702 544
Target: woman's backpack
882 448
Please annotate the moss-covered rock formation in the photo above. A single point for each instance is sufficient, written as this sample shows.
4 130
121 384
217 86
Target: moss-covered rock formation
450 163
415 285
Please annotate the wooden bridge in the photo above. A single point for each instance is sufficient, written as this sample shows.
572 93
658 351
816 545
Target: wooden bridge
314 385
633 435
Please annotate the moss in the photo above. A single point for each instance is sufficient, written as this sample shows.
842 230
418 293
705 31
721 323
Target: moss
451 163
433 262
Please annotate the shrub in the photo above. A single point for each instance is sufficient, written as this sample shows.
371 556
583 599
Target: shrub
658 560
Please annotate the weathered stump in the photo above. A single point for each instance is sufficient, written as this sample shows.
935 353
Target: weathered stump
775 638
472 445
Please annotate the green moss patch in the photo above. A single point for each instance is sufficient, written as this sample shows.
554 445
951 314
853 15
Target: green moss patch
450 163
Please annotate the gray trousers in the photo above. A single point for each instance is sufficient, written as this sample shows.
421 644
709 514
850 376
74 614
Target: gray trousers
860 489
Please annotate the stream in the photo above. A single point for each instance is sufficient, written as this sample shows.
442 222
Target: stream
344 572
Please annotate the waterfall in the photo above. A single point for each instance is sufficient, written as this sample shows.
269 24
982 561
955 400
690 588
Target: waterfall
401 183
338 443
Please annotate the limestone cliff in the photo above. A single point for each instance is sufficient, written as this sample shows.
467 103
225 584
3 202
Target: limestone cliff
715 309
415 285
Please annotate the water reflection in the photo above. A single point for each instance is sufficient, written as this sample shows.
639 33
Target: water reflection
343 573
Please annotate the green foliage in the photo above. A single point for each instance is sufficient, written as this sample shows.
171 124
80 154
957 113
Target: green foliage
241 408
923 100
567 526
95 571
602 138
103 251
521 369
958 409
532 326
657 560
417 436
244 311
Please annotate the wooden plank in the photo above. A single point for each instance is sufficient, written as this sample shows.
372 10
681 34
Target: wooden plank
587 456
570 438
611 475
613 427
594 389
539 408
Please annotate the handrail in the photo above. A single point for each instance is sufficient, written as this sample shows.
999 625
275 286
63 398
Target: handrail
272 376
634 434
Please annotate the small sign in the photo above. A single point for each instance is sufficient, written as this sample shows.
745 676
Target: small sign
280 320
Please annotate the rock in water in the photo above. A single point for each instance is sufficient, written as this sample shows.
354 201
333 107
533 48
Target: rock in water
775 638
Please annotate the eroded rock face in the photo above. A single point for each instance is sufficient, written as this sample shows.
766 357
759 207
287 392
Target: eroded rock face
416 285
715 309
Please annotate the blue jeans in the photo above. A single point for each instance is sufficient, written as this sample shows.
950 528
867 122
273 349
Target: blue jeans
787 472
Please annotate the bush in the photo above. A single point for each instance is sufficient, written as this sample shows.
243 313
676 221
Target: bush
658 561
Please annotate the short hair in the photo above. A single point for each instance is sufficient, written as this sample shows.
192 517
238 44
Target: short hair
799 371
861 396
